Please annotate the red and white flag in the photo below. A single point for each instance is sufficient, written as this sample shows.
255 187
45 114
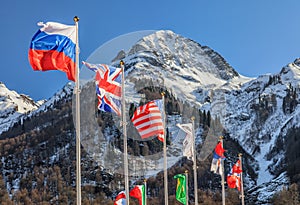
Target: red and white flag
120 199
148 120
234 178
139 193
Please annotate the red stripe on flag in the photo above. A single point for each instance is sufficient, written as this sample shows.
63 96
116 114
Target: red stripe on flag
157 126
44 60
149 119
153 133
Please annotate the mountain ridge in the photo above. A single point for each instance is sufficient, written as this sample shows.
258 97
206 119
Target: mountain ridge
14 106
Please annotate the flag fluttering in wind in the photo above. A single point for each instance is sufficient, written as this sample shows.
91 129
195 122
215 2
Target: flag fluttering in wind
188 141
53 47
108 87
148 120
139 193
181 188
218 157
234 178
120 199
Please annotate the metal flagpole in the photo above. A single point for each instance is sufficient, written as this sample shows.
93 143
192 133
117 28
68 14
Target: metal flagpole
77 92
165 153
242 185
145 186
186 187
124 134
195 163
222 176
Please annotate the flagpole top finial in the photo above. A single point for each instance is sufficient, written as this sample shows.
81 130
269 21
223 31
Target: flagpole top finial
162 93
221 138
192 118
145 180
186 171
76 18
122 62
240 154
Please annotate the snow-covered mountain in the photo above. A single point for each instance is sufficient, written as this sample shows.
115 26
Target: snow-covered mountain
191 72
13 106
257 113
16 107
254 111
185 67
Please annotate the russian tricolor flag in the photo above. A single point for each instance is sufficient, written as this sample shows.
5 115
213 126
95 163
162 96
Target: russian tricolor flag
53 47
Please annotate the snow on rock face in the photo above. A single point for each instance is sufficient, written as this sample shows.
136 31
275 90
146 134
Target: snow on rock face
173 50
13 106
264 193
263 101
189 70
291 73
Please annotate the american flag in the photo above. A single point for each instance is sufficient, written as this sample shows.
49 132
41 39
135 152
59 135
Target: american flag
148 120
108 87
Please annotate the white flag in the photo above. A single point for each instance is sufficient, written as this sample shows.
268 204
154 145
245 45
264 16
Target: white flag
188 141
216 166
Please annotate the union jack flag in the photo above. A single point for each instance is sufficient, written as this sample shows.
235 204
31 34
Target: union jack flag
108 87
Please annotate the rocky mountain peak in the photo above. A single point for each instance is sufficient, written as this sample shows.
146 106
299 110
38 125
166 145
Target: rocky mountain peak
290 74
175 50
12 106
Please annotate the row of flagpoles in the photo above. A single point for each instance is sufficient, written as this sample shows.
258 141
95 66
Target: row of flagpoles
55 47
234 180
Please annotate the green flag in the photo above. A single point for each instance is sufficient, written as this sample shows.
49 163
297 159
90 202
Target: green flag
181 188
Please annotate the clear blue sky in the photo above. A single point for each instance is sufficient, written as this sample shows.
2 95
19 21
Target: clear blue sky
255 37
